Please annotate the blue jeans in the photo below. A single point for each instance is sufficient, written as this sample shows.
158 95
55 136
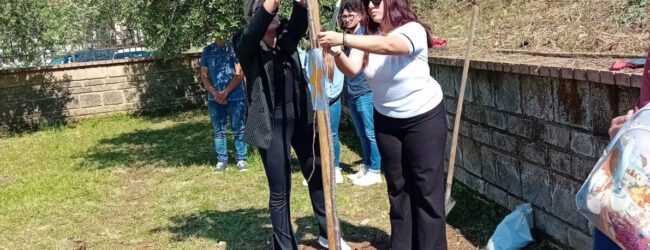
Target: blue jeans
362 110
335 119
601 241
236 110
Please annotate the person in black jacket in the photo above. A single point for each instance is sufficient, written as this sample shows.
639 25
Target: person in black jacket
280 113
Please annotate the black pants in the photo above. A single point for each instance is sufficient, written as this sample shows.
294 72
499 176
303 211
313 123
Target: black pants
276 159
412 157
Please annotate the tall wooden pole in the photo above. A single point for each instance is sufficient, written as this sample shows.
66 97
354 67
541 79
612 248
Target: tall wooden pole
326 145
449 202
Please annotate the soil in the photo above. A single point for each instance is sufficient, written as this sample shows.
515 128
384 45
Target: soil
455 241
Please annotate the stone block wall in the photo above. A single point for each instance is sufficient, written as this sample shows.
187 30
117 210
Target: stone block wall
35 96
533 134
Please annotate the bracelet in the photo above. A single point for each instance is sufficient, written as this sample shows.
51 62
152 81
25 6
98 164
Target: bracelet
345 40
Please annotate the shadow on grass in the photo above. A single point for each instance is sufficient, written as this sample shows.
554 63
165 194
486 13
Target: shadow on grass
351 233
239 229
348 137
251 229
183 144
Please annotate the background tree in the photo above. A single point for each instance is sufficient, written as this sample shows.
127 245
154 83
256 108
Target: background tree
32 31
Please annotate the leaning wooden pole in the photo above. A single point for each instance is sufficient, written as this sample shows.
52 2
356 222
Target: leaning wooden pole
326 145
450 202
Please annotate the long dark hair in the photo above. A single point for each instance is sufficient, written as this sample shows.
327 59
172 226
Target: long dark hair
397 13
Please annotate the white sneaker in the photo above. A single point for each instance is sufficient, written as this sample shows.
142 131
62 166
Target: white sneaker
324 243
339 176
359 174
242 166
368 179
221 166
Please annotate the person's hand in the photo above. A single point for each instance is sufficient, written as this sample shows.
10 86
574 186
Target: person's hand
330 39
618 122
335 50
221 97
214 92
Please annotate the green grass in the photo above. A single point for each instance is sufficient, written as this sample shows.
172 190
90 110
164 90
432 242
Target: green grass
147 182
140 182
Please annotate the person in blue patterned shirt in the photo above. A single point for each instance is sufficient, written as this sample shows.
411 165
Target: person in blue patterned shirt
222 77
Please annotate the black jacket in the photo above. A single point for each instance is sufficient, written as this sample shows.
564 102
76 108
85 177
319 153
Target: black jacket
258 70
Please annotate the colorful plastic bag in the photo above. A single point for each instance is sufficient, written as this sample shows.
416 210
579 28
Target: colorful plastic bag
616 196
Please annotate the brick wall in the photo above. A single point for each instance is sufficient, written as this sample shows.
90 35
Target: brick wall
533 134
34 96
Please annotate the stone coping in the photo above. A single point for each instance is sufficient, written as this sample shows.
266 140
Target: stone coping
91 64
591 75
570 73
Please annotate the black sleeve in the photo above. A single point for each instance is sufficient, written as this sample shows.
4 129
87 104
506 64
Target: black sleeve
299 22
247 42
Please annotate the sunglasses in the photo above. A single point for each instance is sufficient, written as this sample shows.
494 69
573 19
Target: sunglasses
376 2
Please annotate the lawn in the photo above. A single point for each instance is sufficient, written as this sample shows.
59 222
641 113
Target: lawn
146 182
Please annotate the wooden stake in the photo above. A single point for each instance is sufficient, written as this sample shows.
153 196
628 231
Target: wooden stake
459 110
326 146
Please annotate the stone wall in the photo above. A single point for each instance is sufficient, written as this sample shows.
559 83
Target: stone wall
533 134
35 96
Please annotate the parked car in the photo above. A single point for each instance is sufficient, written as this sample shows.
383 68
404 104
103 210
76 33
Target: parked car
137 52
84 56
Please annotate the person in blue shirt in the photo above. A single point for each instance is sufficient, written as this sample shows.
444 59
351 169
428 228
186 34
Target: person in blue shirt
222 77
360 103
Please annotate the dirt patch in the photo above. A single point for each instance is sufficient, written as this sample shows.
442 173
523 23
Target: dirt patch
78 244
6 180
455 241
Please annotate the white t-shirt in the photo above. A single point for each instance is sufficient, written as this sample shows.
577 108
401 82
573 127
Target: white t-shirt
402 86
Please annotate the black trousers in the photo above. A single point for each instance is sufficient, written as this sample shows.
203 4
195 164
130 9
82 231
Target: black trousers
288 133
412 158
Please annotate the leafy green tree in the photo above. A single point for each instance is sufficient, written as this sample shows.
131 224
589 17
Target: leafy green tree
30 29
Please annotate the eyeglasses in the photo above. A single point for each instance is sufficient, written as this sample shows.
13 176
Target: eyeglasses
376 2
346 17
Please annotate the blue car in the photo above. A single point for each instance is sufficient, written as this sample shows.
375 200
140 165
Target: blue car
84 56
129 53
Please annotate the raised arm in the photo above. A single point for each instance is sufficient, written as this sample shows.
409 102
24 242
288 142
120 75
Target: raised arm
299 22
247 42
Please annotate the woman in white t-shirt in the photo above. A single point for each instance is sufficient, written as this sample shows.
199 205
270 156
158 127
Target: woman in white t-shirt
410 120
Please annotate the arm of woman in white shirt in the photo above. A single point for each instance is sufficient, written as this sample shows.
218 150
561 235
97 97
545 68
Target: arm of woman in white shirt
349 65
382 45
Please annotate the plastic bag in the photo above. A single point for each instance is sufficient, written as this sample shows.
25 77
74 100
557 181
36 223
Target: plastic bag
616 196
514 231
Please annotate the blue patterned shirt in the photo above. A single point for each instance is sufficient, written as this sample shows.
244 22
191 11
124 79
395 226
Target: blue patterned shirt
220 61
